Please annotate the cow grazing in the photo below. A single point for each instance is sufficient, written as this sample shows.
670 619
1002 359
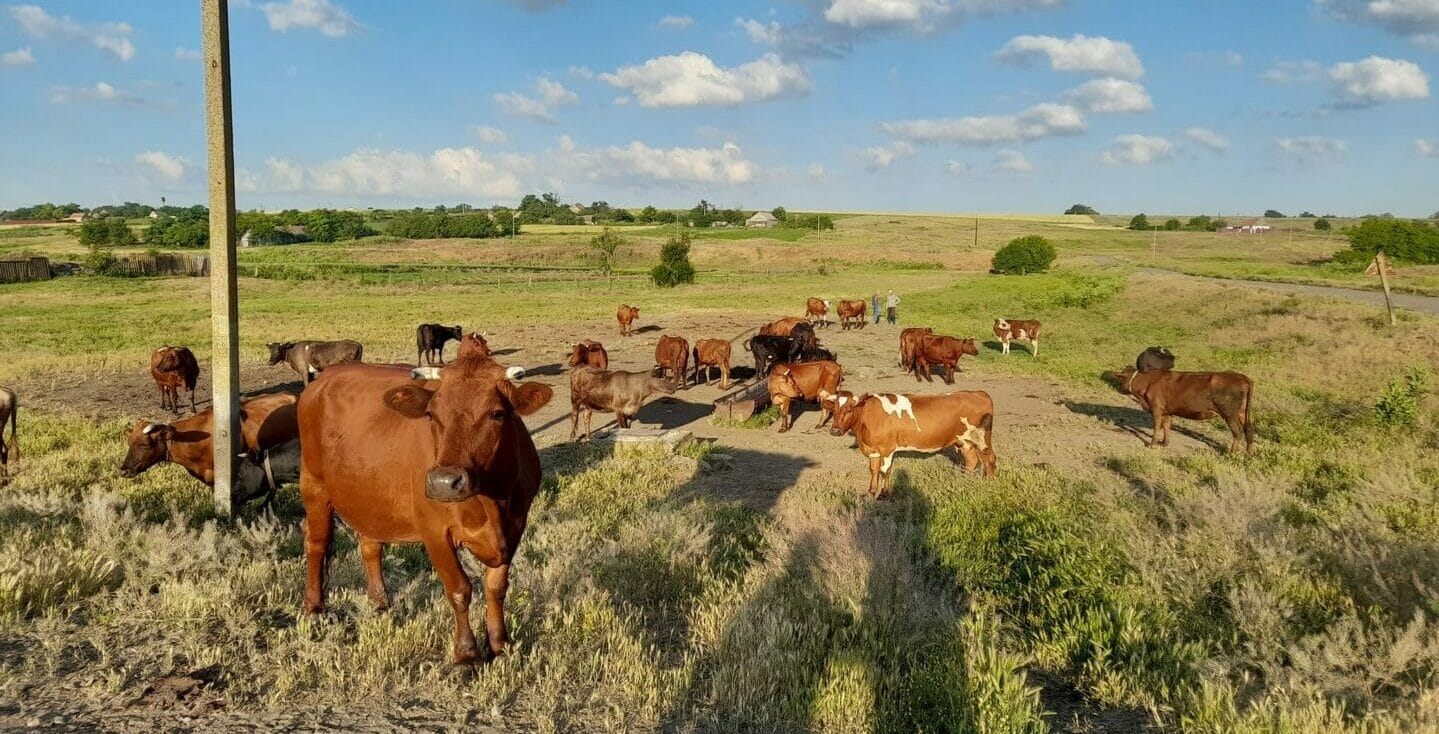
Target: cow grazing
771 350
803 381
174 368
1008 329
589 354
9 413
626 316
672 358
816 310
1194 395
265 422
310 358
884 424
940 350
430 342
445 462
262 473
710 354
814 354
851 313
621 393
909 344
1154 359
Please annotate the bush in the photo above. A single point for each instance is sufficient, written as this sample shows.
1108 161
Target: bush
1081 209
188 229
1273 214
1031 254
674 267
1400 239
807 221
1322 225
328 225
109 232
1398 403
1139 222
1171 225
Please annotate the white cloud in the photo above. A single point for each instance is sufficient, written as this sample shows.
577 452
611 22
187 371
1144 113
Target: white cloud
881 156
691 78
371 172
1139 150
19 57
488 134
1110 95
1207 138
1377 79
640 163
1011 161
103 92
581 72
1417 20
921 15
815 170
767 34
1078 53
1312 148
169 167
1294 72
1426 148
1039 121
187 54
676 21
112 38
285 175
321 15
550 95
956 168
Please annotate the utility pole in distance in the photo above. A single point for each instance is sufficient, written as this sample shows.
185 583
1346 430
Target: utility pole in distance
224 306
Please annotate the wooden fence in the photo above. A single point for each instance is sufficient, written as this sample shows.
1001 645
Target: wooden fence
195 266
20 271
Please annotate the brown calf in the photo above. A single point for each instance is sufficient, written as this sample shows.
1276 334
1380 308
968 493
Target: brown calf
621 393
816 310
590 354
1194 395
447 463
941 350
626 316
711 353
803 381
672 357
885 424
266 421
851 313
909 344
174 368
1008 329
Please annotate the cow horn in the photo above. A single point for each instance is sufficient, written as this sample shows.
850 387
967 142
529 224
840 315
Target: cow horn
514 373
148 429
425 373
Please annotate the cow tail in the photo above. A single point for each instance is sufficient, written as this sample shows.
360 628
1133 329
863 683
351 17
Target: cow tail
1248 416
14 428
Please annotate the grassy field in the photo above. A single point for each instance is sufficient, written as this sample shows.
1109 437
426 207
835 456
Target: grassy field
1289 590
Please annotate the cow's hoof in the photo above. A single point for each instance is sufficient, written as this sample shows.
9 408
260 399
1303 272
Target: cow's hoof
472 655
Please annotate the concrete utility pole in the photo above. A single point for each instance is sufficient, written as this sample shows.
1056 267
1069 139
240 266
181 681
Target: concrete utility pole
224 307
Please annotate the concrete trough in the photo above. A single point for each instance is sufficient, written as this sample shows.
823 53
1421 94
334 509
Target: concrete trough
743 402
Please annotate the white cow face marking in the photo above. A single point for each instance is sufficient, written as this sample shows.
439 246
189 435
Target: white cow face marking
1003 324
898 405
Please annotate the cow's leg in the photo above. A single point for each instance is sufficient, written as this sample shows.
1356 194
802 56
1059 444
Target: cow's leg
874 463
1168 423
885 465
458 590
1035 343
783 403
589 416
1236 430
1157 413
1004 343
372 551
949 373
724 376
497 585
319 524
192 400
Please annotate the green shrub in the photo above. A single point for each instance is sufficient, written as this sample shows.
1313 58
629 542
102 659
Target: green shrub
1140 221
1171 225
1077 290
674 267
1080 209
1030 254
1400 239
111 232
1398 403
1322 224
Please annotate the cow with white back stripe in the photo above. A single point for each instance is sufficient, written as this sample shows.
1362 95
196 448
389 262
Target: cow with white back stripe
884 424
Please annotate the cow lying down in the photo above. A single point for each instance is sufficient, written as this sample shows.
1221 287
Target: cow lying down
887 423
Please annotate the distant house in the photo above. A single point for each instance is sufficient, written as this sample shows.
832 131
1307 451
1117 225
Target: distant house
587 219
1255 225
576 208
761 220
720 224
76 217
154 214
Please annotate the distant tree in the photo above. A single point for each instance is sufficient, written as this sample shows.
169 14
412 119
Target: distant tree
779 213
622 215
1201 223
1409 241
1217 224
107 232
1171 225
598 207
1306 214
1140 221
329 225
674 267
1031 254
1273 214
1081 209
1435 215
506 222
188 228
41 211
649 214
1322 224
807 221
605 245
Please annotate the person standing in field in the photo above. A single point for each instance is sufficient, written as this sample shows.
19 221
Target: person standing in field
892 304
874 305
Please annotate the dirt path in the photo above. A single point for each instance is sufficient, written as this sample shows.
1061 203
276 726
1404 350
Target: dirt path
1426 304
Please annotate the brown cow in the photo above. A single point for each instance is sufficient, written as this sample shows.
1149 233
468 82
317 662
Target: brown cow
1008 329
174 368
941 350
589 354
621 393
908 343
672 358
884 424
710 353
447 463
851 313
1194 395
803 381
783 327
309 358
627 315
9 413
266 421
816 310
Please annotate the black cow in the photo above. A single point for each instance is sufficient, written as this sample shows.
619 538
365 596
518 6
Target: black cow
805 333
1154 359
771 350
815 354
262 473
430 342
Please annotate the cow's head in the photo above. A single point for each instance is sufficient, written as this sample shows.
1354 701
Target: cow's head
579 355
660 384
456 332
473 408
967 346
149 445
782 382
474 346
167 359
1001 326
279 350
598 357
1123 379
844 407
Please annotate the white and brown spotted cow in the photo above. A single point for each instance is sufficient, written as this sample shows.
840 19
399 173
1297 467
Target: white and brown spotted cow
816 310
886 423
1010 329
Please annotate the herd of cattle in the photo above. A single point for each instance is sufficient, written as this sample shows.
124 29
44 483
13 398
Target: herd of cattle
440 455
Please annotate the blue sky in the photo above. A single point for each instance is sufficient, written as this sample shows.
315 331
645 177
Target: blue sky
924 105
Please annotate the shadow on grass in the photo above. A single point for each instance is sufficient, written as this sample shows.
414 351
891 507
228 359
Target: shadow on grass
1134 421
